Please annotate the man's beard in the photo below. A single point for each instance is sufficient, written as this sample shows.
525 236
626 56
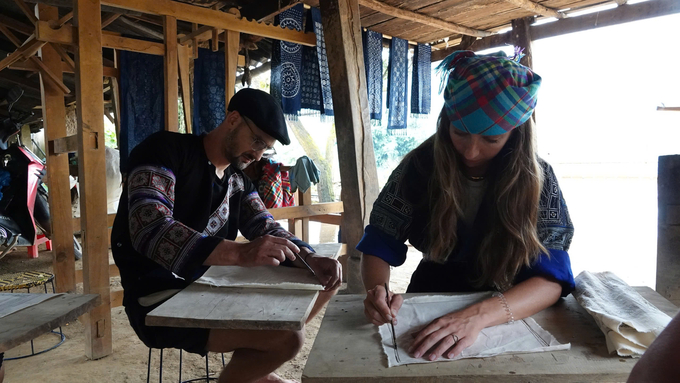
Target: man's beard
229 152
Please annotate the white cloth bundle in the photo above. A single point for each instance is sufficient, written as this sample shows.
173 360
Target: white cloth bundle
629 322
522 336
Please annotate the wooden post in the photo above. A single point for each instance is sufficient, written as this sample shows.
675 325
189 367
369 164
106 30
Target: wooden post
305 200
170 70
342 30
54 122
521 37
183 55
92 175
115 92
231 42
668 240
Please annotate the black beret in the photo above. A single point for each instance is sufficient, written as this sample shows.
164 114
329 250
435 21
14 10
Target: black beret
262 109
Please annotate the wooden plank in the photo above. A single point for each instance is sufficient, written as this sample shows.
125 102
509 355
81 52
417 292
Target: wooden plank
231 47
347 350
170 72
16 25
110 19
537 9
206 306
34 321
293 212
342 33
54 123
31 66
115 92
329 219
26 10
201 33
27 50
75 221
215 41
305 199
117 298
668 238
70 144
113 272
184 57
92 175
205 16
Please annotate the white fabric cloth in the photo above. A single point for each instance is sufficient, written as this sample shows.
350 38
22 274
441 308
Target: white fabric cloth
629 322
273 277
523 336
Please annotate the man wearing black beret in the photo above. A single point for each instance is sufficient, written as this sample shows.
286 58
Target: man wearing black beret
183 203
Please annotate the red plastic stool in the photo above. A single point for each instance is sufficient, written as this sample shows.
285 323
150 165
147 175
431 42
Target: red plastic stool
33 250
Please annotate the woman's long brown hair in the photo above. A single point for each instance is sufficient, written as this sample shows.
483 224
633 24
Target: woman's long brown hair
514 188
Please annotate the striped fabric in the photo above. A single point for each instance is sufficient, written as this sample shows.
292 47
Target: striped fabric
488 95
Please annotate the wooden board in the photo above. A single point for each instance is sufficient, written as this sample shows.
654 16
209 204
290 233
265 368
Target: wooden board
668 239
330 250
33 321
347 350
205 306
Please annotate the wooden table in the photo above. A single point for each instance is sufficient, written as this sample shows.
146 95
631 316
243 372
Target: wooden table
347 349
30 322
206 306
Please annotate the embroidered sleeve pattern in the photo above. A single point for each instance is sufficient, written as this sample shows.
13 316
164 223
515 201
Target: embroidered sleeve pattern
153 231
555 228
392 213
256 221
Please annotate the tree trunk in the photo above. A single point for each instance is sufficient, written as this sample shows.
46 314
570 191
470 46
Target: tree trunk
325 186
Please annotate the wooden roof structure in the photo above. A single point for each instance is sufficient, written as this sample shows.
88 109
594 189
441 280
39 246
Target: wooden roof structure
76 41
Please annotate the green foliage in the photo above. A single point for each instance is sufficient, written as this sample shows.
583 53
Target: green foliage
390 149
110 136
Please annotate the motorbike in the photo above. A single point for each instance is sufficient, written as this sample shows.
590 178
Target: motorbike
23 196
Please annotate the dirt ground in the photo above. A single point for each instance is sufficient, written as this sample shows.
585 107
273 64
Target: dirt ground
128 363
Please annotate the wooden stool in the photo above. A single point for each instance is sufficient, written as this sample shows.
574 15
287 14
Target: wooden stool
160 369
27 280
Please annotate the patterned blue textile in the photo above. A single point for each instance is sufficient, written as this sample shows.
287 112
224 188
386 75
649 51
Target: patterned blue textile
396 85
142 106
287 65
421 86
209 108
327 98
372 42
311 78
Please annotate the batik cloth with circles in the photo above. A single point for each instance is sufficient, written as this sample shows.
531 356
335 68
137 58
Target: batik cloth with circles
488 95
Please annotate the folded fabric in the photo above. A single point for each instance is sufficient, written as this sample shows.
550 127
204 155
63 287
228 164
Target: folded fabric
522 336
303 174
629 322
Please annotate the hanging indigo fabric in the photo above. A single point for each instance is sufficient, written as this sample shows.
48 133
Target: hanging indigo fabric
311 78
396 86
287 65
421 87
209 109
142 106
327 98
373 64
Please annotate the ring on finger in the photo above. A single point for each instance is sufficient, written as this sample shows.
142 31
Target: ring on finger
455 338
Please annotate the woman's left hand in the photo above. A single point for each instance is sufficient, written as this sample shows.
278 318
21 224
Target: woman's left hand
447 336
328 270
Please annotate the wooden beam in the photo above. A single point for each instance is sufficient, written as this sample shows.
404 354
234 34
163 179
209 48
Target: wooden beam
54 123
305 200
33 67
141 29
194 41
202 33
295 212
113 272
669 108
170 71
183 58
329 219
58 23
421 18
69 144
215 42
615 16
52 76
92 175
24 52
68 35
76 224
537 9
204 16
230 62
16 25
342 32
521 37
26 10
110 19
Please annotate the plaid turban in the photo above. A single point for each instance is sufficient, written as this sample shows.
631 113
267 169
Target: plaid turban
487 95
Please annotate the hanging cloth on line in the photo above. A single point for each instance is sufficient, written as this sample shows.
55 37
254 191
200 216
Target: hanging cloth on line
322 57
372 42
287 65
142 106
396 87
311 76
209 108
421 85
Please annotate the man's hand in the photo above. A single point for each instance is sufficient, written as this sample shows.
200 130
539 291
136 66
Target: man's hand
375 306
266 250
328 270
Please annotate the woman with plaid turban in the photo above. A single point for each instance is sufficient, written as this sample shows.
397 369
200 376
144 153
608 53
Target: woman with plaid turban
486 212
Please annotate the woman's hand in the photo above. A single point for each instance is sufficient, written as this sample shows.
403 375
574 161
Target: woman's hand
375 305
266 251
448 335
328 270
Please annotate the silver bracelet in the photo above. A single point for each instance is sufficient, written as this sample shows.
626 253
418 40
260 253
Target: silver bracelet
504 302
